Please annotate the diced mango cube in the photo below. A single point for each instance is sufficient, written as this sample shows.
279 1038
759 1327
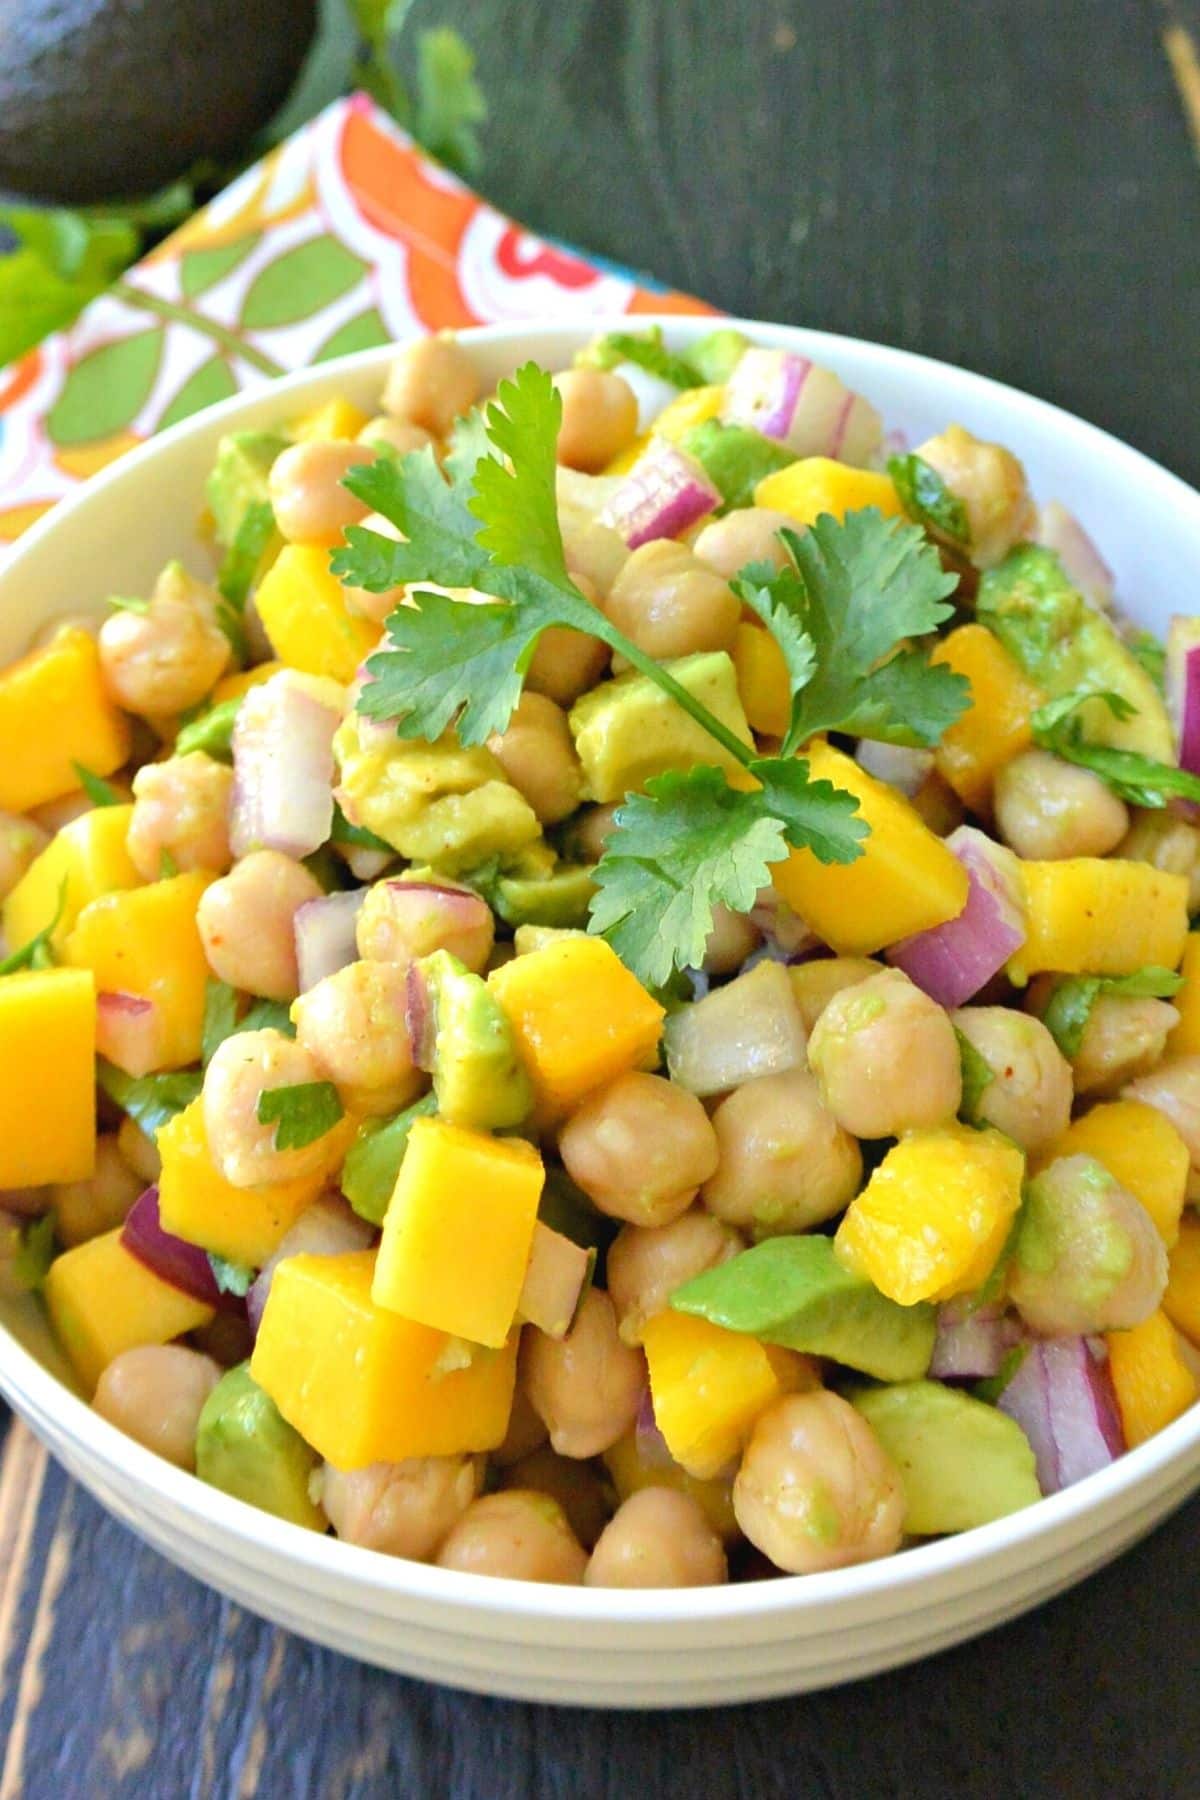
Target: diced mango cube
1181 1302
89 856
145 942
363 1385
694 406
47 1077
54 713
997 726
335 418
580 1018
232 687
1185 1039
304 613
625 459
1153 1382
102 1301
246 1225
709 1385
932 1220
905 881
1091 915
817 484
458 1231
1141 1149
762 680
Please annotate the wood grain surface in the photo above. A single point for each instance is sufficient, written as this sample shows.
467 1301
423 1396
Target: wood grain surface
1013 185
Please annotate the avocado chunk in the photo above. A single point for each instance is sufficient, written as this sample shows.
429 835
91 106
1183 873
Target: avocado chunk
478 1077
1065 644
627 730
245 1447
963 1463
373 1160
239 477
735 458
560 899
793 1291
716 355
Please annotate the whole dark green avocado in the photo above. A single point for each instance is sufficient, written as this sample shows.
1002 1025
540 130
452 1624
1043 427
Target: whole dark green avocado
106 98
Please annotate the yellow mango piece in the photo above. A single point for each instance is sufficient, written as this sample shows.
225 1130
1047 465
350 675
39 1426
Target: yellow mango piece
363 1385
625 459
690 408
246 1225
458 1231
932 1220
145 942
47 1077
580 1018
904 882
1153 1383
1092 915
1181 1302
102 1301
709 1385
89 856
997 726
54 713
629 1474
232 687
304 613
1185 1039
332 419
1141 1149
817 484
762 680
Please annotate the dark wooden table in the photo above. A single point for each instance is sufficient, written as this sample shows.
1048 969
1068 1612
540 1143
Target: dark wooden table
1008 184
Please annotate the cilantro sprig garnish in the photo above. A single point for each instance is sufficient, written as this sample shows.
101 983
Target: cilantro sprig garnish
843 612
926 498
300 1113
1138 779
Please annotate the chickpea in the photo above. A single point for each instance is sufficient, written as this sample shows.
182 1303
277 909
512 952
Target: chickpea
565 664
21 840
526 1431
522 1535
640 1148
139 1151
1047 809
84 1209
816 1490
990 482
658 1538
165 659
1174 1089
734 937
537 753
1124 1037
353 1024
599 418
747 534
400 921
587 1386
938 806
886 1058
574 1484
1166 842
896 764
305 484
786 1164
154 1394
670 604
431 383
1029 1095
246 923
181 807
398 436
815 983
1088 1255
401 1508
591 831
242 1069
646 1263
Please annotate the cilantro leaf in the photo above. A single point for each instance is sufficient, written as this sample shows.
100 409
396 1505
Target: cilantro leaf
343 832
517 505
37 953
926 499
977 1075
450 102
412 492
1066 1017
35 1252
1138 779
210 731
240 564
909 700
269 1015
777 596
647 351
815 815
98 791
301 1113
231 1277
62 259
1151 653
150 1100
220 1017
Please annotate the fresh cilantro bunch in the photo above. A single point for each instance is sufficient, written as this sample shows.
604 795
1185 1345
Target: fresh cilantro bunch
840 613
1138 779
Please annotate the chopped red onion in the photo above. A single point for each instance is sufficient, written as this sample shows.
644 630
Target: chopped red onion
283 765
326 1228
128 1032
665 493
554 1281
750 1027
952 962
324 932
1062 1398
651 1444
801 405
1183 688
971 1345
652 393
1060 531
421 1018
172 1258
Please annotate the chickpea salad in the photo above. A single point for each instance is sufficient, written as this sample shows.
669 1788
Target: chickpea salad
611 998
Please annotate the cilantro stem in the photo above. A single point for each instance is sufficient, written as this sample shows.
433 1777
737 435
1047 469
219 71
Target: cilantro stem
662 677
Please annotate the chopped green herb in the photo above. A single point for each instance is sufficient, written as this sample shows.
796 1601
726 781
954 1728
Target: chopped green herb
127 603
211 732
168 868
344 832
269 1015
220 1017
150 1100
37 953
231 1277
1138 779
926 499
373 1159
98 791
647 351
240 564
301 1113
35 1253
991 1389
977 1074
1070 1008
1151 653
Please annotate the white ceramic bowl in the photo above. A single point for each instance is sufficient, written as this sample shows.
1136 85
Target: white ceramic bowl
694 1647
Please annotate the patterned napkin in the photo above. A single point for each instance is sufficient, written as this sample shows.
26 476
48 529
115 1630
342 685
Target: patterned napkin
344 237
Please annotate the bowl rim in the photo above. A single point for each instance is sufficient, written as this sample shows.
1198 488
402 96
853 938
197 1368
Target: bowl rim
38 1393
